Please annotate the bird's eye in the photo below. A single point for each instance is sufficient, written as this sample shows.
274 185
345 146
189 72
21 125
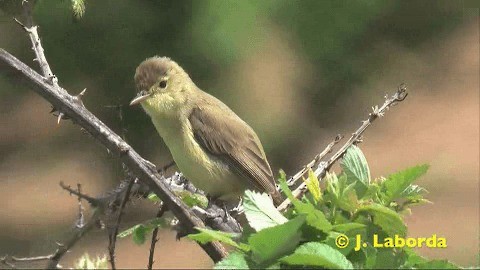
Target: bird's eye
163 84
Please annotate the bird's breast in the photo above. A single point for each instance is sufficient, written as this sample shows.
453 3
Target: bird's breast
207 172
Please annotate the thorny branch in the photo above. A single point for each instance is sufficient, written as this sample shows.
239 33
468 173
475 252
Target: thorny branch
324 166
32 32
72 106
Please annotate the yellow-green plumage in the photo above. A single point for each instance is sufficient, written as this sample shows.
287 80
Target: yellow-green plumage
210 144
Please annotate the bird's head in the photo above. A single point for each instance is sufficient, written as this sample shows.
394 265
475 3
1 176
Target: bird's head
161 85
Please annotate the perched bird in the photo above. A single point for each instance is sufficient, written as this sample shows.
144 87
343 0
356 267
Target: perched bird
213 148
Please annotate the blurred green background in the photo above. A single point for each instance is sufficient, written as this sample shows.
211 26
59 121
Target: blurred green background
298 72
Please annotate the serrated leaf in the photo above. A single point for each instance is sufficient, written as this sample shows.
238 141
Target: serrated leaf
234 260
389 220
314 217
318 254
313 186
355 165
397 183
332 184
206 235
260 211
348 200
272 243
413 192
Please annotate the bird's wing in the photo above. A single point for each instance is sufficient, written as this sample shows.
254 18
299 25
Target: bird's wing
219 135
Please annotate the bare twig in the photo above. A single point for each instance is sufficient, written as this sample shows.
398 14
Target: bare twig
93 201
315 161
31 259
77 235
113 235
154 241
323 167
81 210
5 261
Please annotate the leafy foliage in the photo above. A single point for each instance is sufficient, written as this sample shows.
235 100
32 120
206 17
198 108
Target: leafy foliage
139 232
261 212
85 262
349 206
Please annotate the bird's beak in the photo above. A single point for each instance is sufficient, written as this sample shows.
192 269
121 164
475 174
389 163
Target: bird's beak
141 96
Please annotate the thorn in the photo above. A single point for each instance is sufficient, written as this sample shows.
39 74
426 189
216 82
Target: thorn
53 79
59 118
80 95
78 98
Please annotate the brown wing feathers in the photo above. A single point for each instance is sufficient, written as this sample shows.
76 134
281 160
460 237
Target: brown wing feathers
220 136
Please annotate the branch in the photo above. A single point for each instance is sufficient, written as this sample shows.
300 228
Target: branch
74 109
32 32
113 235
154 241
323 167
80 232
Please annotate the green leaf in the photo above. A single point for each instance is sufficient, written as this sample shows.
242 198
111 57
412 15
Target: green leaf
370 256
318 254
386 258
389 220
284 186
313 186
348 227
331 240
260 211
399 182
272 243
206 235
413 258
314 217
437 264
413 192
234 260
139 234
85 262
418 262
355 165
192 199
153 198
140 231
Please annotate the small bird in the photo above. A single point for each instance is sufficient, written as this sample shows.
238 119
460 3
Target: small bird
213 148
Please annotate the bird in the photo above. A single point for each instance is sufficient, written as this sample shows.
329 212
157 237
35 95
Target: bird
212 146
